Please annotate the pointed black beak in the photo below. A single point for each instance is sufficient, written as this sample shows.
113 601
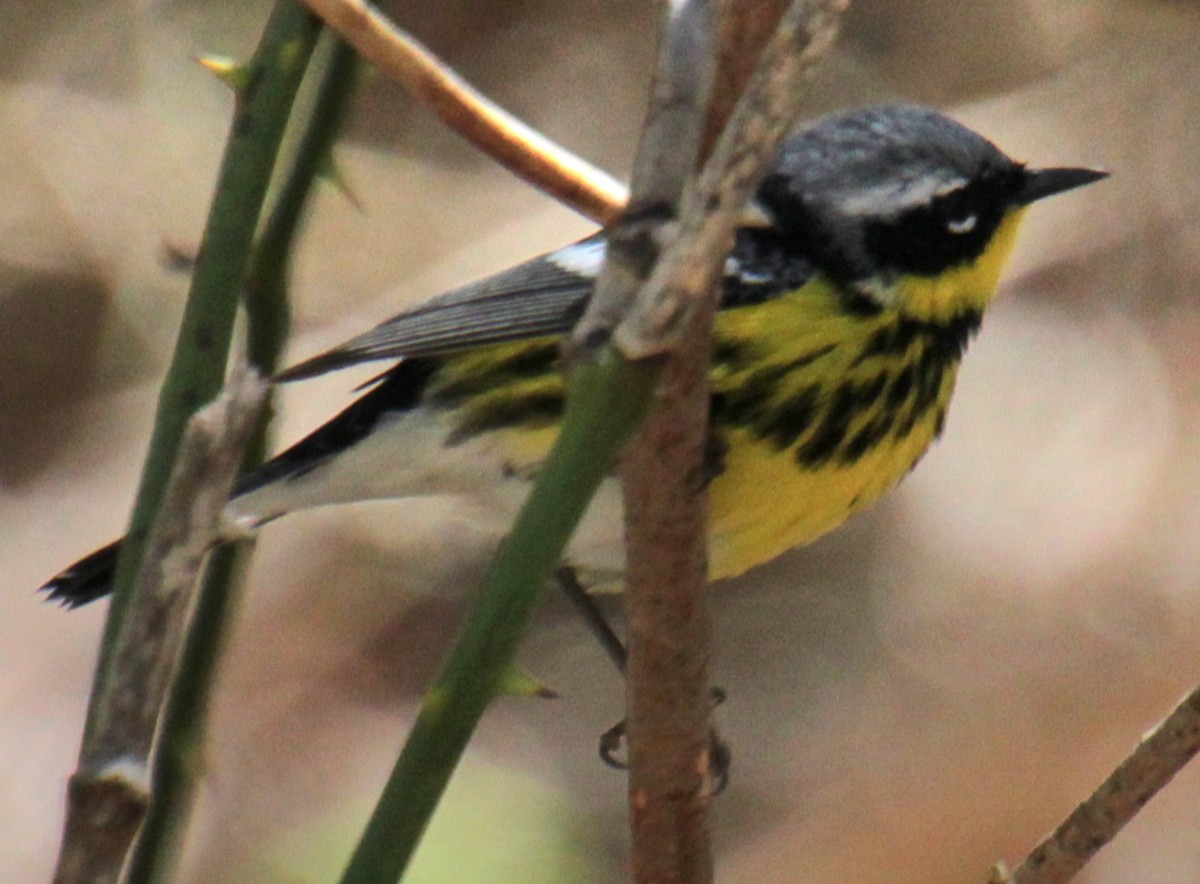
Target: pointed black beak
1041 183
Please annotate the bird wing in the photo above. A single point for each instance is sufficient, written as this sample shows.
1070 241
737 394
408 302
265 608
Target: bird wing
543 296
546 296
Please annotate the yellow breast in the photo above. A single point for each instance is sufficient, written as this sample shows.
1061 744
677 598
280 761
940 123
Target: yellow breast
821 407
772 496
764 503
820 413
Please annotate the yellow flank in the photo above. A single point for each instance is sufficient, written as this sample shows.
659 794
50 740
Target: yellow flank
795 463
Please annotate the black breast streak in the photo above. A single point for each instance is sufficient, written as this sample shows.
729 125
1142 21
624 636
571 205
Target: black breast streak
831 432
478 392
731 352
895 402
522 364
929 379
940 348
753 400
892 340
871 434
850 400
901 386
874 430
927 351
939 421
783 426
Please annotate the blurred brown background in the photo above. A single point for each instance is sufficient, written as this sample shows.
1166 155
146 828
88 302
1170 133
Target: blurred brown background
922 693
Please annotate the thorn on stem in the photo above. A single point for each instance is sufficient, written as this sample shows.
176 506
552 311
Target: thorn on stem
232 73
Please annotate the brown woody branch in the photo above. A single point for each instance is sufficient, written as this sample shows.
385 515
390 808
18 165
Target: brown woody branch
1161 754
669 698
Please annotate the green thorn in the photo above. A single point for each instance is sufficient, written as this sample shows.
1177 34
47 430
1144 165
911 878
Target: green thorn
332 172
232 73
518 683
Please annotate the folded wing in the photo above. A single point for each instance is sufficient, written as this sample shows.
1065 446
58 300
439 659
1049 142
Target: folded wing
543 296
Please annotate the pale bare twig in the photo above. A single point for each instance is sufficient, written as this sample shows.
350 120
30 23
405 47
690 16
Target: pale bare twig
109 792
1161 754
763 116
743 29
522 150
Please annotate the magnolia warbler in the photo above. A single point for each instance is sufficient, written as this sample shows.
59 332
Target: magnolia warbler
876 244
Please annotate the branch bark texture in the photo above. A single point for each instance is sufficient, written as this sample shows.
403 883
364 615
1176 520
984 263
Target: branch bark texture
667 688
669 698
109 793
1161 754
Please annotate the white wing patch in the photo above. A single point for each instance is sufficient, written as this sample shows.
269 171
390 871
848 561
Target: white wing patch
583 258
735 270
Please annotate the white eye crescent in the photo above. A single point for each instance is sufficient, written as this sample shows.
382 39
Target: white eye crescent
962 225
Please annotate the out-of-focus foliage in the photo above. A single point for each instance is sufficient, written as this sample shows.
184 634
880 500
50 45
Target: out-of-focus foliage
494 824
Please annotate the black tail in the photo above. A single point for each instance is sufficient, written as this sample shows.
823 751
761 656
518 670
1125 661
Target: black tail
87 580
396 390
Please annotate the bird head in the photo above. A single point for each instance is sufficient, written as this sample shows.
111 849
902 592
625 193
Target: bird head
904 207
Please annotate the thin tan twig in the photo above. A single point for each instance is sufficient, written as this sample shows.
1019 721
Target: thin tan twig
1162 753
522 150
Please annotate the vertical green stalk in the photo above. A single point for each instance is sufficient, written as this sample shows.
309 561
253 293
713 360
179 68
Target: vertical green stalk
606 401
177 766
197 370
266 295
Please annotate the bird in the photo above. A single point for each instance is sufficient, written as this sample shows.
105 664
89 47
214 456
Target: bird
869 254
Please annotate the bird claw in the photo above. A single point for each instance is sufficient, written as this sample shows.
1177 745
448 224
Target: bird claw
720 757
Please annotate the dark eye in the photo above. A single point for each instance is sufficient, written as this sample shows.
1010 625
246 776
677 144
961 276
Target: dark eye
951 230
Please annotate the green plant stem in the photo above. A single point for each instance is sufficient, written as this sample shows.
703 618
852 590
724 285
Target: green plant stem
606 400
197 369
177 765
266 297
